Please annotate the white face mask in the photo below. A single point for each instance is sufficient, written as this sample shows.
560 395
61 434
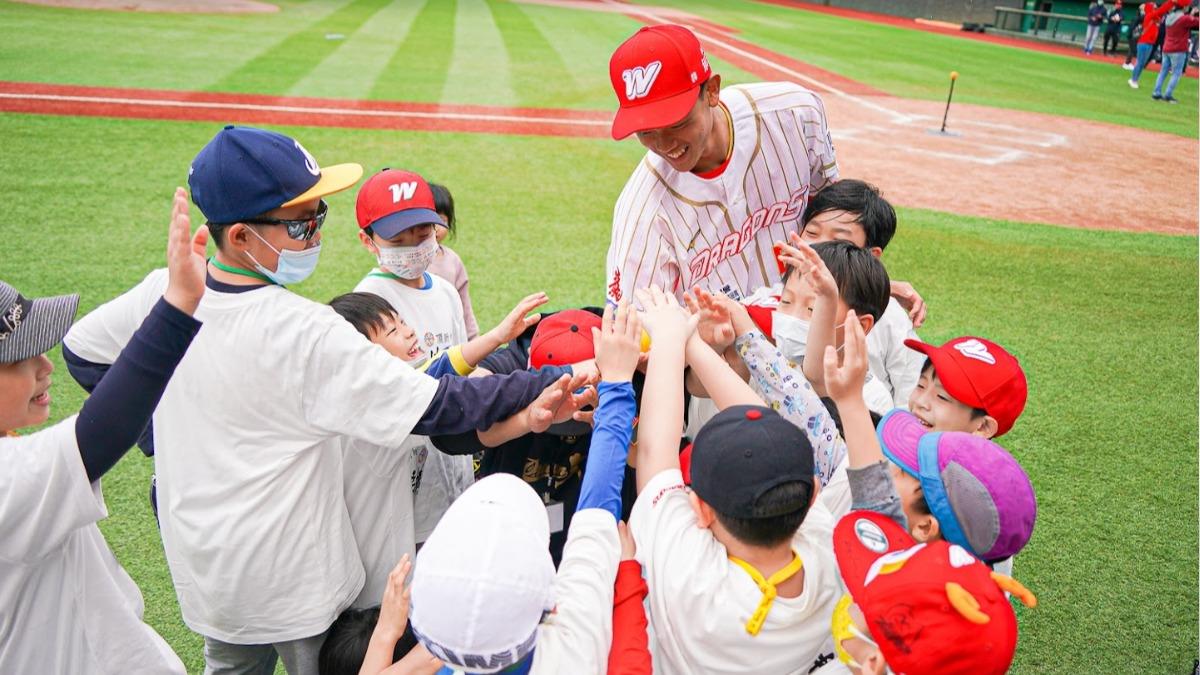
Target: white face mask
408 262
791 336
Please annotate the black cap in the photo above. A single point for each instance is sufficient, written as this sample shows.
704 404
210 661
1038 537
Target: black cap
744 452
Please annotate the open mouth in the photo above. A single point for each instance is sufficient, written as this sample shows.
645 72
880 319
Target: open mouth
414 353
42 399
678 153
925 424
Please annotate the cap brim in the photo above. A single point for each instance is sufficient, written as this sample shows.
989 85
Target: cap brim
859 539
395 223
333 179
44 326
900 435
950 374
654 115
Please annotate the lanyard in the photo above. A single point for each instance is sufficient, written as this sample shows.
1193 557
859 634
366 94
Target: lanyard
237 270
768 588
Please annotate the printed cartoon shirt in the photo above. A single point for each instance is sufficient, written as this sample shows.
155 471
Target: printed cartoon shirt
788 392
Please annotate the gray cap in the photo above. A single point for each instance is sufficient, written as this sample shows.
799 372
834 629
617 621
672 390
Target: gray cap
29 327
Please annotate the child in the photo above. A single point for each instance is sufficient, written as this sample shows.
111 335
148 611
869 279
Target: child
447 264
919 608
968 384
248 433
740 570
394 499
854 211
397 220
68 606
485 595
369 641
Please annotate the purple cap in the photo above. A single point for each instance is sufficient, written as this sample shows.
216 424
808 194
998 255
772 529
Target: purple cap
981 496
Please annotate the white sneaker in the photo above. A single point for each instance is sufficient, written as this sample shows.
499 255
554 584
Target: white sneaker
1133 85
1128 66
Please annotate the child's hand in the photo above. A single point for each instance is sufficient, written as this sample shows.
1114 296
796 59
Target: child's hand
628 548
716 324
418 661
665 320
393 611
618 342
845 382
516 322
808 262
910 300
186 265
557 404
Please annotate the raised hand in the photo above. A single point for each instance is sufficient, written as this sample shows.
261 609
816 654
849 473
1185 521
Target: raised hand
911 301
517 322
418 661
808 263
845 381
393 611
665 320
716 323
186 264
618 343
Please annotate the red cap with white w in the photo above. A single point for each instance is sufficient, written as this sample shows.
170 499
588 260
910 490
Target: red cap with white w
655 75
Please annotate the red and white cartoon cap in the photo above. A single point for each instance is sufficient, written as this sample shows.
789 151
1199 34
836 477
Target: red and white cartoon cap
393 201
656 74
981 374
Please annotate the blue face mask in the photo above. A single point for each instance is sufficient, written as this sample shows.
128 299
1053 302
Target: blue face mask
293 266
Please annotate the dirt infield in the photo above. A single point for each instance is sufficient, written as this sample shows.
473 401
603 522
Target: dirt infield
169 6
1005 164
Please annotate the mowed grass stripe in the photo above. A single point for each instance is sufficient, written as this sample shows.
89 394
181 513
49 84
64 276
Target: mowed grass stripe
278 69
480 67
419 65
534 64
352 69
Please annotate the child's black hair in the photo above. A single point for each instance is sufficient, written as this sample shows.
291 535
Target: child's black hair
364 311
861 279
443 203
766 532
875 214
346 642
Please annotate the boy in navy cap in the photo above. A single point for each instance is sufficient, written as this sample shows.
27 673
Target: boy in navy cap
248 431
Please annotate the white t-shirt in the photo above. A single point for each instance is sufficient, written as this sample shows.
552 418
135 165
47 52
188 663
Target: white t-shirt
248 454
699 601
577 636
678 229
896 366
66 606
395 497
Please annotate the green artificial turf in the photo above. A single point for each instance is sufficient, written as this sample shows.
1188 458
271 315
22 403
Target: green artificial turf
1104 323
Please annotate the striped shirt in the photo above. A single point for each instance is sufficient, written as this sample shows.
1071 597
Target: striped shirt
678 230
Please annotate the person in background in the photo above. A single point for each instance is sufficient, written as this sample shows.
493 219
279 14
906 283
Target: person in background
1180 23
1096 17
446 264
1150 29
1112 29
1135 34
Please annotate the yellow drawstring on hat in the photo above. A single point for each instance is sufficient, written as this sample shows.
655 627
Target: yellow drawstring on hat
769 588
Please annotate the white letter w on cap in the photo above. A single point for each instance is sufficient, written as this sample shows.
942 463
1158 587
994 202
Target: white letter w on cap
639 80
974 349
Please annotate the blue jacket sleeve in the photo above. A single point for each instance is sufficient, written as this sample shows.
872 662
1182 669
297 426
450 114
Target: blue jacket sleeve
605 469
476 403
122 402
88 374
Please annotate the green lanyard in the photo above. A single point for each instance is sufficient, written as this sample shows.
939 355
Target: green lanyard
237 270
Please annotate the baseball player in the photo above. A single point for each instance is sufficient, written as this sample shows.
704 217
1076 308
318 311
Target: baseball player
728 174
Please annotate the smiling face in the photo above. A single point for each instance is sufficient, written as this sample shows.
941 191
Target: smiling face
837 225
686 142
937 410
398 339
25 392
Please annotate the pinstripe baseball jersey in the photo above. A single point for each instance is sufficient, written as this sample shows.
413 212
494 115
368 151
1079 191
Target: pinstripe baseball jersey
678 230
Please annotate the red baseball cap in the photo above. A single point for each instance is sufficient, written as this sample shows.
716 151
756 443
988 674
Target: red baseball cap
981 374
393 201
563 338
931 608
655 75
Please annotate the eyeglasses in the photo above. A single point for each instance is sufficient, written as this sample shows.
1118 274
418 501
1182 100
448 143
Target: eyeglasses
302 229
